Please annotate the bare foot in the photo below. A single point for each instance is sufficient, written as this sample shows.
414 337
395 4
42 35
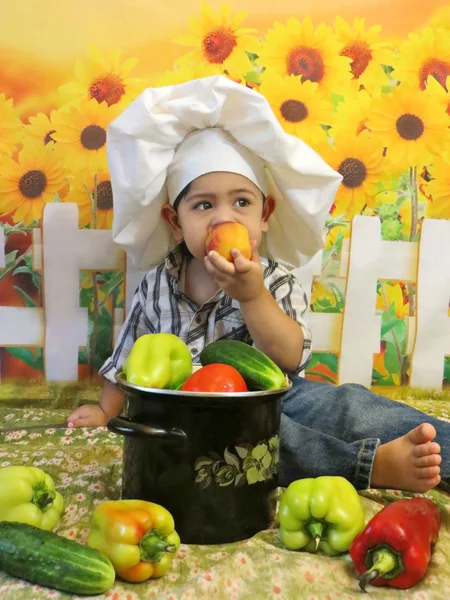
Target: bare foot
409 463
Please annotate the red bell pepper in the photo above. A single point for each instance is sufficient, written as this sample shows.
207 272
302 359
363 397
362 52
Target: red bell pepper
394 549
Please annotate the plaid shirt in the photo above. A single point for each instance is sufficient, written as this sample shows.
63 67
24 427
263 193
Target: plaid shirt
159 306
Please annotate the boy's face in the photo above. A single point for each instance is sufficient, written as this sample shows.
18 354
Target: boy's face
217 198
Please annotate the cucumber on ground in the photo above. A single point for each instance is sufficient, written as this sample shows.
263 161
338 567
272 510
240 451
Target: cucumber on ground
50 560
258 370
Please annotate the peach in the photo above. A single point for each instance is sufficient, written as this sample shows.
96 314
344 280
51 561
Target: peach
223 238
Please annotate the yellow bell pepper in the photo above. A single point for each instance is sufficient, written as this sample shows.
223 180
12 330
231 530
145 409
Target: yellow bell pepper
28 495
137 536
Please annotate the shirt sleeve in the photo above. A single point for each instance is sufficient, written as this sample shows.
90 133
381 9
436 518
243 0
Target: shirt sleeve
293 301
136 324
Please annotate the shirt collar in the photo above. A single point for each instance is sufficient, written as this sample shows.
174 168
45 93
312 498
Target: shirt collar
175 259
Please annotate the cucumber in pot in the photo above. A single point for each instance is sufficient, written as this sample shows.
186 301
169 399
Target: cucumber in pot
50 560
258 370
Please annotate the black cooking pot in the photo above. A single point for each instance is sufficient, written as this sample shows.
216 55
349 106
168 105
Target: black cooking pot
211 459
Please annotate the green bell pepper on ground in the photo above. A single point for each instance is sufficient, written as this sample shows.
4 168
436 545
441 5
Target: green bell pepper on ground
320 514
158 360
28 495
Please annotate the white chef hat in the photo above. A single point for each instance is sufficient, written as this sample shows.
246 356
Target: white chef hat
171 135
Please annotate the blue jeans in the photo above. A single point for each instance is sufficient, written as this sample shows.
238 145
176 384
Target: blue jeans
329 430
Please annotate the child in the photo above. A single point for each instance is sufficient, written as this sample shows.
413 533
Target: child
212 151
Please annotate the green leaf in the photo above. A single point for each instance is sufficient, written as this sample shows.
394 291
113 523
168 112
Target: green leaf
336 99
231 459
329 360
243 450
400 331
82 356
387 324
240 480
31 358
114 282
29 301
391 361
387 69
253 77
25 269
447 368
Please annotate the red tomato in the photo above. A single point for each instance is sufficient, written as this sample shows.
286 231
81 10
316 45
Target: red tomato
215 378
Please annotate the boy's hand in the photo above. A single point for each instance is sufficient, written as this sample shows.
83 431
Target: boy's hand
90 415
243 279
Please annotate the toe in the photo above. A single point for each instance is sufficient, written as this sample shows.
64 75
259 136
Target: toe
428 472
422 434
425 449
429 460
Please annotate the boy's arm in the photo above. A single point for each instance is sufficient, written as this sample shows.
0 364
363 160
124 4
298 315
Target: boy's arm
97 415
273 331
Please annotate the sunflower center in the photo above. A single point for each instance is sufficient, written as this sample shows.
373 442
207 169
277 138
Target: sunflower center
104 195
353 172
439 69
48 138
361 56
293 111
410 127
109 89
93 137
307 63
218 45
32 184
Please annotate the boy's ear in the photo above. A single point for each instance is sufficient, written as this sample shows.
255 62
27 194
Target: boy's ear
170 216
268 209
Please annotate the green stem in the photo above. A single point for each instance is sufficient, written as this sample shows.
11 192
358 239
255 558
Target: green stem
414 201
385 561
315 530
93 340
42 496
397 345
153 545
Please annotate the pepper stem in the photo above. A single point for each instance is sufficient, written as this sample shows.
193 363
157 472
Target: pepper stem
384 562
315 530
153 545
42 496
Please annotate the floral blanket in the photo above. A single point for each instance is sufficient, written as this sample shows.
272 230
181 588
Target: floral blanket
86 466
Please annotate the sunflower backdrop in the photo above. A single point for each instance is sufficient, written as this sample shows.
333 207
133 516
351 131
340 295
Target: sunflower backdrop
369 90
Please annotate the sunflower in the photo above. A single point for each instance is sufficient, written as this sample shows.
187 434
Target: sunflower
300 107
189 74
103 77
439 189
312 55
81 131
421 55
359 159
411 124
82 192
10 126
367 53
28 184
218 40
39 131
441 94
352 114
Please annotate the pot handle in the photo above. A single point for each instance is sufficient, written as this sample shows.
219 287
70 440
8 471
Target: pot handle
125 426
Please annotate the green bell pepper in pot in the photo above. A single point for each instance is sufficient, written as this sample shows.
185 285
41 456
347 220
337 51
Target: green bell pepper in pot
320 514
158 360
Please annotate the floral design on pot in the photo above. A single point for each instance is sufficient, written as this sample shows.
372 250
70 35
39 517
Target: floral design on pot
247 464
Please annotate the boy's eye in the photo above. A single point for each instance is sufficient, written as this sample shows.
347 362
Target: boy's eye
203 206
242 202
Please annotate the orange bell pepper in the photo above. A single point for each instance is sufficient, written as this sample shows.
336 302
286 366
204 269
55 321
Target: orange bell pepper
138 537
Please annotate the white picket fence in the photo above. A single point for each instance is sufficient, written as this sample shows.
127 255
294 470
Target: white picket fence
61 250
